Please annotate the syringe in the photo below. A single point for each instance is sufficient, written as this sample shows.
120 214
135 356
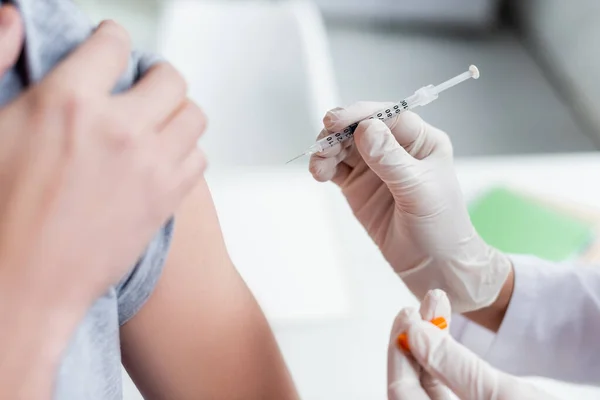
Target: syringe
423 96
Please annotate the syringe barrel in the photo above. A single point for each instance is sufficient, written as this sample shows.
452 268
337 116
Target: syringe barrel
383 115
422 97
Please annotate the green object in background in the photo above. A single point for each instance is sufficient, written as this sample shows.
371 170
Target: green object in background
516 224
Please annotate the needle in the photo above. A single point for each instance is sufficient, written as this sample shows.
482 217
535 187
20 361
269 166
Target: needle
295 158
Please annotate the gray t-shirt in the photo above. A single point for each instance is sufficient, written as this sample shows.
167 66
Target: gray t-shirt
91 368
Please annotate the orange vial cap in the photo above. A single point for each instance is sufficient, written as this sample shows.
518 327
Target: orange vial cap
402 340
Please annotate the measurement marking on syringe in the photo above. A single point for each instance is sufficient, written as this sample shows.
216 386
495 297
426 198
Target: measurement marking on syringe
421 97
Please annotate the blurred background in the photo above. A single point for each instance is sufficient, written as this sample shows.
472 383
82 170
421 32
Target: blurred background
539 92
266 71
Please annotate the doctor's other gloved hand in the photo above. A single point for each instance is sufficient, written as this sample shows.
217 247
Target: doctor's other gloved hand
437 365
399 180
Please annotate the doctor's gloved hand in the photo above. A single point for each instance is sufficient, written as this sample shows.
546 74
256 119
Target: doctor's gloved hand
399 180
438 366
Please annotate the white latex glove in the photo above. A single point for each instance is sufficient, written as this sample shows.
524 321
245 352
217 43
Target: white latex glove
406 378
438 363
400 183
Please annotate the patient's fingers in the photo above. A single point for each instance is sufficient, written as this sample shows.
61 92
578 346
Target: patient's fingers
104 56
11 37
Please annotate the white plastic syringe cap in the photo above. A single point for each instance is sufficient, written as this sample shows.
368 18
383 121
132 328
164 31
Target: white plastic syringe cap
474 72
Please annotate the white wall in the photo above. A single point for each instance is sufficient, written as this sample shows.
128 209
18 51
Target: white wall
566 35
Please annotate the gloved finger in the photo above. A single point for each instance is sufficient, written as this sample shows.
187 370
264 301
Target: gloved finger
418 137
434 388
324 169
382 153
324 165
341 175
452 364
339 118
435 304
328 164
404 372
11 37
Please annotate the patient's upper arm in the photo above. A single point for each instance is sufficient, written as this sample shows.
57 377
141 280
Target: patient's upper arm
202 330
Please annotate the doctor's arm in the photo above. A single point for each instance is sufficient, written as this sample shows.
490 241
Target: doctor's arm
549 325
202 334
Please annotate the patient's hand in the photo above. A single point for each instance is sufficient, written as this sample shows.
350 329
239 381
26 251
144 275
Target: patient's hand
78 162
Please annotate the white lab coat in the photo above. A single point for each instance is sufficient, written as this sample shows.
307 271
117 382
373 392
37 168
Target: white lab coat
552 325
